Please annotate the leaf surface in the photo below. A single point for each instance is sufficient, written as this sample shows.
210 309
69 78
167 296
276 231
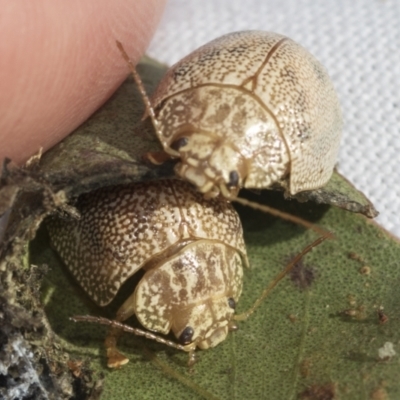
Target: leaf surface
317 331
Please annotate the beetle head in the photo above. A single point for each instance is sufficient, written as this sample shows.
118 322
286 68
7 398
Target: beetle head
206 324
210 163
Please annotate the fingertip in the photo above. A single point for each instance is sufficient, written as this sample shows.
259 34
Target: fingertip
64 65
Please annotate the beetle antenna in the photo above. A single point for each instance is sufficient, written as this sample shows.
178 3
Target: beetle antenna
130 329
142 90
280 276
283 215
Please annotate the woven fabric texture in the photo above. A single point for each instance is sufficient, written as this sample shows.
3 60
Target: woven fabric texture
359 44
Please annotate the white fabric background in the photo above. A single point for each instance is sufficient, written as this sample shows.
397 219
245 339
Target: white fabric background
359 44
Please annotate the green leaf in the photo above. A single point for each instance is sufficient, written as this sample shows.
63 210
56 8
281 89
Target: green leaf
318 333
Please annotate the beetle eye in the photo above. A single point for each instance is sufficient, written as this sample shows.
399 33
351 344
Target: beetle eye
177 144
231 303
233 179
186 335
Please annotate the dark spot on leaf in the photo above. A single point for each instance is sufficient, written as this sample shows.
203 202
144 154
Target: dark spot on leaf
379 393
302 275
354 314
359 357
382 317
319 392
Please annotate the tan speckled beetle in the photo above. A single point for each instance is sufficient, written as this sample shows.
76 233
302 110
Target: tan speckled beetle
192 250
250 109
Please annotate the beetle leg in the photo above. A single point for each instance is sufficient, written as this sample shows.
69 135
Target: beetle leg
280 276
114 358
157 157
284 215
228 193
232 326
192 360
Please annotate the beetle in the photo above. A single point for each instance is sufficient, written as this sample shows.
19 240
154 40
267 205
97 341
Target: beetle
191 249
250 109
